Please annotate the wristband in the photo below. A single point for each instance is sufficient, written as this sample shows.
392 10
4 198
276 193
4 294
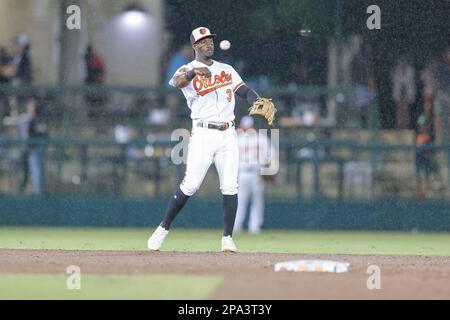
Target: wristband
190 75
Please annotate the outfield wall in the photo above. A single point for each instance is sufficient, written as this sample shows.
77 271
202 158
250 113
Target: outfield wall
392 214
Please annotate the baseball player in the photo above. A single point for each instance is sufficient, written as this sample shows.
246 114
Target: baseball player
209 87
255 151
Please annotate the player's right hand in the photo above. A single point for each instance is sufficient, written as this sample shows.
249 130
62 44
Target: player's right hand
203 71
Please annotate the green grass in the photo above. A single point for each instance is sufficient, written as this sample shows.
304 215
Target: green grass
106 287
324 242
168 286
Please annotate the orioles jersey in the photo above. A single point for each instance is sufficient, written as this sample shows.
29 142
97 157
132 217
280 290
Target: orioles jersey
211 99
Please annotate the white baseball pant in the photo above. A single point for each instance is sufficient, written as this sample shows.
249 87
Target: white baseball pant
205 147
251 189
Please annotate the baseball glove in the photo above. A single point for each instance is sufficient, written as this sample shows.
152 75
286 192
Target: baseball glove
264 107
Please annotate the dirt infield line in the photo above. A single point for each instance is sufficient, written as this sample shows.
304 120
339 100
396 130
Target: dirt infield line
251 275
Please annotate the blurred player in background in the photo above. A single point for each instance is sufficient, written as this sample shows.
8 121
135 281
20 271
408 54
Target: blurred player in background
255 151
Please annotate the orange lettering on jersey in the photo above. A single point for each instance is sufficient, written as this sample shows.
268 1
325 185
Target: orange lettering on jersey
204 92
197 83
221 80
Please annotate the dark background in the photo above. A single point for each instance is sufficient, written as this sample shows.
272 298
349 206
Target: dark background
266 35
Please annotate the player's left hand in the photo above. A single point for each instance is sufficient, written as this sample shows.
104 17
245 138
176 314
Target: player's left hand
264 107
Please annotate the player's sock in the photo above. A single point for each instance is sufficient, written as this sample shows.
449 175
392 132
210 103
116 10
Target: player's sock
229 213
177 203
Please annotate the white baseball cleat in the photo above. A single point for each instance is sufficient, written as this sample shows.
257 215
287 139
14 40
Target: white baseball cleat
156 240
228 244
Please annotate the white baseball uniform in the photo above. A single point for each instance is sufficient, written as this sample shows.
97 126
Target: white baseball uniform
211 100
255 151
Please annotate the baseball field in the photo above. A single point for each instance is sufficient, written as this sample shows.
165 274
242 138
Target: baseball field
114 264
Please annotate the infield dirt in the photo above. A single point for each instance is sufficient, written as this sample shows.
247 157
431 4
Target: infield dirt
251 275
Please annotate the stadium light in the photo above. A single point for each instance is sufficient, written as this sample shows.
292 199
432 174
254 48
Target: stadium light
134 17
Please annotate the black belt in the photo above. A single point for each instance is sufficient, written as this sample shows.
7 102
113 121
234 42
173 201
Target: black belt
218 126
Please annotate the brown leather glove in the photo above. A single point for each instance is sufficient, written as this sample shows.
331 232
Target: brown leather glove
264 107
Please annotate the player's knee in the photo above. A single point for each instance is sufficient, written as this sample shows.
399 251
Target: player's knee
229 191
189 189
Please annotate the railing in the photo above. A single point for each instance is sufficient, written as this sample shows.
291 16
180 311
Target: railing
319 169
99 108
82 155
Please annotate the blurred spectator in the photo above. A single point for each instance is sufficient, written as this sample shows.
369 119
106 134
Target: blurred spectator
426 163
436 88
429 86
21 59
310 153
362 82
179 59
6 73
158 117
403 91
95 67
442 110
123 134
7 70
95 76
172 99
443 72
31 127
305 113
23 73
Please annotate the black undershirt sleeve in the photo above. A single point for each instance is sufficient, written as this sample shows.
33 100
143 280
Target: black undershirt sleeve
248 94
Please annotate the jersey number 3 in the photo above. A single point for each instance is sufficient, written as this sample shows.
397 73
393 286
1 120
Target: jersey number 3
230 95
